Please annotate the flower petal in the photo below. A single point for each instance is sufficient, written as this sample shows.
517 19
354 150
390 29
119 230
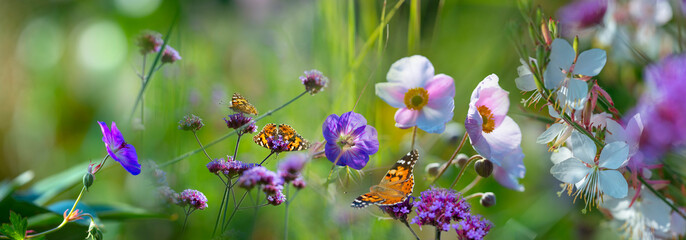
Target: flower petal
411 72
560 155
511 171
116 137
496 100
614 155
583 147
614 131
368 140
551 133
488 82
590 62
406 118
330 128
331 150
613 183
570 171
392 93
474 128
575 93
503 139
440 87
433 120
355 158
350 121
106 135
634 129
561 54
552 77
128 159
525 81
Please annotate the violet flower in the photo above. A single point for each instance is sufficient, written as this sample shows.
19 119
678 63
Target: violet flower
350 137
290 168
235 121
258 175
472 227
493 134
194 198
424 100
400 210
170 55
581 14
119 150
439 206
314 81
150 42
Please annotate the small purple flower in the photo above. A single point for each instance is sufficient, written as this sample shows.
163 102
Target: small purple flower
314 81
473 228
276 199
438 206
400 210
271 189
170 55
194 198
150 42
258 175
119 150
237 120
191 123
582 14
278 143
217 166
663 110
299 183
289 168
350 137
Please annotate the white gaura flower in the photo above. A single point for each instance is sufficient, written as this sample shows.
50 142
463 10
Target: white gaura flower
564 68
593 175
647 218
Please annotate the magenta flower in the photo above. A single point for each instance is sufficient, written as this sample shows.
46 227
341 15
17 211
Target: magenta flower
290 168
581 14
194 198
438 207
235 121
350 137
314 81
473 227
424 100
118 149
170 55
401 210
493 134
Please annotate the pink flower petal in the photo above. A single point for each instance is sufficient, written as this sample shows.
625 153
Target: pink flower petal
440 87
406 118
503 139
495 99
392 93
488 82
473 125
433 120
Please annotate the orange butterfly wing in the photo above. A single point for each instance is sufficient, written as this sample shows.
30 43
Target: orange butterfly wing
295 141
240 104
395 187
262 138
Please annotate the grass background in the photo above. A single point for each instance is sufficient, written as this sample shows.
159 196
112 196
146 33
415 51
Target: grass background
67 64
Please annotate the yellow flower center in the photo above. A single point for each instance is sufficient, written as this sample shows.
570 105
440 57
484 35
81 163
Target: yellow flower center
416 98
488 123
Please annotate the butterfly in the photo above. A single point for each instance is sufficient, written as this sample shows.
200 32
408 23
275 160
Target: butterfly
271 131
239 104
395 186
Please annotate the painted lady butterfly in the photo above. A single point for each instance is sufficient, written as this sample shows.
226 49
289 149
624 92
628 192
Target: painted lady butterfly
395 186
239 104
271 131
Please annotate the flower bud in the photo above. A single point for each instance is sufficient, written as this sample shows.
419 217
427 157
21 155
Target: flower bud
433 169
191 123
314 81
94 232
487 199
483 167
88 180
461 160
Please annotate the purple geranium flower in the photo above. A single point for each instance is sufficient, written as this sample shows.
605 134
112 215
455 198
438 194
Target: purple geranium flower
493 134
439 206
350 137
118 149
424 100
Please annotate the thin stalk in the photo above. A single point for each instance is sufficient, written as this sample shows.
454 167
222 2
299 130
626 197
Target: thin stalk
185 221
379 29
65 221
473 196
452 158
408 227
288 202
414 135
334 165
226 204
238 141
413 31
471 185
201 147
219 213
265 159
459 175
235 210
143 84
222 138
438 233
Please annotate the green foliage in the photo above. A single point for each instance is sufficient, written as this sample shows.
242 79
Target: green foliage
16 229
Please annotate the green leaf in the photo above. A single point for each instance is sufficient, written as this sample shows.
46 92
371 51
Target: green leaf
47 188
121 212
17 228
7 187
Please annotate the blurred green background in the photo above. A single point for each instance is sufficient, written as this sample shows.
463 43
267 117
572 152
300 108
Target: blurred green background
67 64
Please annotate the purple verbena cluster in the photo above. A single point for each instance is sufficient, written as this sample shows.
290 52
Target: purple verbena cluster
235 121
401 210
193 198
314 81
191 123
289 168
438 207
150 42
278 144
229 167
170 55
472 227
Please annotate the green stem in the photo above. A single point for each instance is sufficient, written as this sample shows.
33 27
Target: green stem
408 227
370 41
674 208
234 210
201 147
142 84
235 151
65 221
222 138
265 159
219 213
452 158
288 201
414 135
438 233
